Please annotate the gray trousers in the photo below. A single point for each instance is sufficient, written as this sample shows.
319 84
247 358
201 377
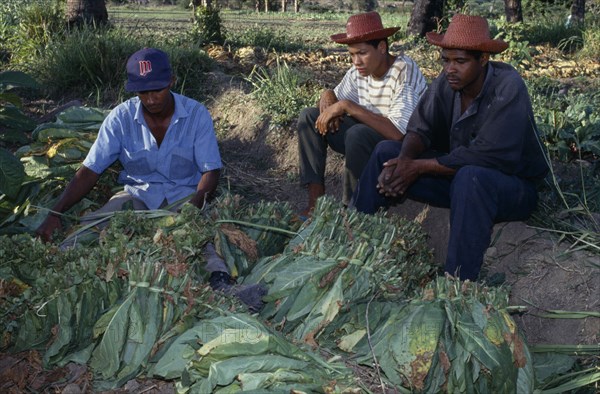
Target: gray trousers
354 140
213 261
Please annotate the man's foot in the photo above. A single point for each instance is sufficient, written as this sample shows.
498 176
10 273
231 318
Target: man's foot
315 190
250 295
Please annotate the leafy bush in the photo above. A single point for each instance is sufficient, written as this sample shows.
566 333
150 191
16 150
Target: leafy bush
282 92
92 62
37 24
517 53
265 37
87 61
568 120
208 27
591 41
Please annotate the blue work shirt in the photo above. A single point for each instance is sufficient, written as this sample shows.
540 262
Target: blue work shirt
151 173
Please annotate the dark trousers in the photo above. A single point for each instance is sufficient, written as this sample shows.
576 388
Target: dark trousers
353 140
477 197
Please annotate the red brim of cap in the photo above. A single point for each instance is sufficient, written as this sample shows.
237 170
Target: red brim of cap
489 46
343 38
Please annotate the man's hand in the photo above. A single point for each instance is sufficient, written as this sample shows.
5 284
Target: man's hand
47 228
329 119
397 176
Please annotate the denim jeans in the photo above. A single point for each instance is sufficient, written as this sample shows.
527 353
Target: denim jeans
478 197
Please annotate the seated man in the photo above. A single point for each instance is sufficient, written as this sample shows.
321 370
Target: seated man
372 103
471 146
168 149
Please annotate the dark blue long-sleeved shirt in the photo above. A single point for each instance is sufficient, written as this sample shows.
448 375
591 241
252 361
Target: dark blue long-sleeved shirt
497 130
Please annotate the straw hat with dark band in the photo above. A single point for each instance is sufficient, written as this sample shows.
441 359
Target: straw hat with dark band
467 32
362 28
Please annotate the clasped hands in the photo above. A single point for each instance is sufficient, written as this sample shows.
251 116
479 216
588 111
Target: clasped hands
396 176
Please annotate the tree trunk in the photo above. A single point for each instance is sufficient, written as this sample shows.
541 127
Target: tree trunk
577 12
86 11
283 5
296 6
425 16
266 5
513 11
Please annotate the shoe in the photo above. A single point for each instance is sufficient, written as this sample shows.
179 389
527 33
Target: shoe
250 295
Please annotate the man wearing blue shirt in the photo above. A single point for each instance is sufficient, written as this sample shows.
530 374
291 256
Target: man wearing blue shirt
167 146
165 142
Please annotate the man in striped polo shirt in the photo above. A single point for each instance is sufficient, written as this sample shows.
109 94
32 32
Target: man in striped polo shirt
372 103
472 146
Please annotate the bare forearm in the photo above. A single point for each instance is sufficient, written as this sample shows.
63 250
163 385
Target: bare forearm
206 187
379 123
81 184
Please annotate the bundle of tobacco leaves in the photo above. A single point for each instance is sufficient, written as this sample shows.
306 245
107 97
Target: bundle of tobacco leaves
339 258
247 232
239 353
119 300
455 337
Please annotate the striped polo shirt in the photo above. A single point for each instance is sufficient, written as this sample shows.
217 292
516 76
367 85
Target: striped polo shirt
394 96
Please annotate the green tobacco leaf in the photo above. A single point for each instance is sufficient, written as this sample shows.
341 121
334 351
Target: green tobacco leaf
224 372
65 330
324 311
547 365
295 275
13 137
304 302
49 133
11 98
13 118
106 356
140 343
172 363
12 174
82 116
13 79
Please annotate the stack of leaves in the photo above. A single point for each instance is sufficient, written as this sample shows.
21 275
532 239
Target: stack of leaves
239 353
38 172
247 232
119 300
456 337
51 299
338 259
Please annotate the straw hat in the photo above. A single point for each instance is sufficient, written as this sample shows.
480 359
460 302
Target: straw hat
362 28
467 32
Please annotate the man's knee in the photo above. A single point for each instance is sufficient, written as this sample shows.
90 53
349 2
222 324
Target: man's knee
474 177
386 150
308 117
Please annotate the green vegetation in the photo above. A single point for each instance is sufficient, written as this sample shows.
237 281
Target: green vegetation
282 92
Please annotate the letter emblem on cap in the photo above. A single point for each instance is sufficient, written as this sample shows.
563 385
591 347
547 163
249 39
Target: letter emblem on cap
145 67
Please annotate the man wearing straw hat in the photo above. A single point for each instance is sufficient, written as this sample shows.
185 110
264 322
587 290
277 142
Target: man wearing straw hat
471 146
372 103
168 149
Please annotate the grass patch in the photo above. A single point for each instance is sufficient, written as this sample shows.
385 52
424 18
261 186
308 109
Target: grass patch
282 92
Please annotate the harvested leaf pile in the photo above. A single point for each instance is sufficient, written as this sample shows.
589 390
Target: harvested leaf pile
135 303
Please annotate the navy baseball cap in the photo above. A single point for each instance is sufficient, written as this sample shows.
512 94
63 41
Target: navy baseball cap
148 69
